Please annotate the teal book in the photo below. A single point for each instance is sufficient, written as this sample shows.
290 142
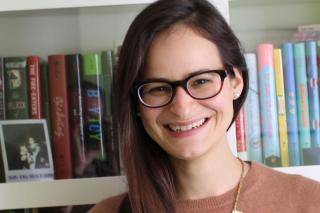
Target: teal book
299 54
16 88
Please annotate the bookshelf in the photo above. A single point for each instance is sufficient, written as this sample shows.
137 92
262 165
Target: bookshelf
58 26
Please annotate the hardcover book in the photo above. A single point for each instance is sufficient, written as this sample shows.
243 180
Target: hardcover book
282 117
252 111
299 55
313 92
291 104
60 126
241 135
268 105
16 88
35 102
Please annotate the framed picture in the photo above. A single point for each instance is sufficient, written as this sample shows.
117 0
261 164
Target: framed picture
26 150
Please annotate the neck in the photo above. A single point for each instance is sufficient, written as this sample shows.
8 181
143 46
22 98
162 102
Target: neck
212 174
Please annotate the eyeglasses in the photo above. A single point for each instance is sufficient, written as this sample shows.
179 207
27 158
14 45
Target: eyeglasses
200 86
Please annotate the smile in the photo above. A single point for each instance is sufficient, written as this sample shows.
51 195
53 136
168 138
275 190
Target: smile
188 127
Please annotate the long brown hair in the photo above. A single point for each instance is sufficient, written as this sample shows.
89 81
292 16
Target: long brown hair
148 169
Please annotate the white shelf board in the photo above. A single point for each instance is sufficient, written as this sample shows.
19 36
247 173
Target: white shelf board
312 172
60 192
17 5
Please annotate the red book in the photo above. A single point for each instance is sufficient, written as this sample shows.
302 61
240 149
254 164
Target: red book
241 135
60 127
34 85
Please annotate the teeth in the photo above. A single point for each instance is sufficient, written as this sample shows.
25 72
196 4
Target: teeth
187 127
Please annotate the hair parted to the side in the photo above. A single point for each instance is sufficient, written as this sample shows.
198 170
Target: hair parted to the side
148 169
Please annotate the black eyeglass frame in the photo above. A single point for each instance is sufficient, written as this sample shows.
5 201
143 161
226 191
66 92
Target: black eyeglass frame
223 73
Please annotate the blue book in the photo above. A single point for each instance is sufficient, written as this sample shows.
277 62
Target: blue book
291 105
313 92
268 106
302 97
252 111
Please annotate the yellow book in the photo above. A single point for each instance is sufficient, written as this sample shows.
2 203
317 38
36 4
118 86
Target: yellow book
282 117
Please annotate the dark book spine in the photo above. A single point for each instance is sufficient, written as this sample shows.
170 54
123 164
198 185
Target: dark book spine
112 147
16 88
94 125
45 96
60 131
2 92
74 76
35 102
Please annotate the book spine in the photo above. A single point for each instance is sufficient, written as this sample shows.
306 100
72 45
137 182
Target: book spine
2 92
252 111
16 88
60 117
111 144
302 97
45 95
282 117
241 135
93 105
74 65
313 92
35 102
291 104
268 105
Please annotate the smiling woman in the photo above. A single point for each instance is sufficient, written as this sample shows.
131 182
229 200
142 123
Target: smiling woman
180 83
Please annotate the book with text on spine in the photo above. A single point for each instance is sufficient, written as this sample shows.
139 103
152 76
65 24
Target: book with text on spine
252 111
268 105
60 126
282 117
299 55
241 135
313 92
291 104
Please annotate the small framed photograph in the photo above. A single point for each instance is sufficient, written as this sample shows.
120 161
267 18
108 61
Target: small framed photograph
26 150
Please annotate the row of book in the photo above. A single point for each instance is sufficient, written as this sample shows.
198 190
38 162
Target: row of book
280 121
56 117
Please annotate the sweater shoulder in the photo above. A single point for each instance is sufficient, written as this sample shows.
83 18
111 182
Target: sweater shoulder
109 205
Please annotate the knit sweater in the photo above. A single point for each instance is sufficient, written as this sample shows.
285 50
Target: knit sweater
264 190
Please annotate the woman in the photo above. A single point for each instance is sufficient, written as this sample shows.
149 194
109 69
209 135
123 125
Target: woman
180 83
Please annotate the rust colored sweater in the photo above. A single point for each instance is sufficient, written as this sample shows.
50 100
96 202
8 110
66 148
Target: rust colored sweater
264 190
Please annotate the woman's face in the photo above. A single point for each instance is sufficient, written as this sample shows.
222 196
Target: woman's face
188 128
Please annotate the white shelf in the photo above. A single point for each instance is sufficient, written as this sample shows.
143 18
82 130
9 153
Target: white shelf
17 5
59 192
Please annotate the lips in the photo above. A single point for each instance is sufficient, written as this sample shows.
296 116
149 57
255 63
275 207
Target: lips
188 127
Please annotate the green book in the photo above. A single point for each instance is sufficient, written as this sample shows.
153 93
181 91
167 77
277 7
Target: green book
45 94
16 88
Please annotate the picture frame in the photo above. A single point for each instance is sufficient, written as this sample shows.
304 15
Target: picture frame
26 150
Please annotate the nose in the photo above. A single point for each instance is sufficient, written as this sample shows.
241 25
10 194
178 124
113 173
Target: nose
182 103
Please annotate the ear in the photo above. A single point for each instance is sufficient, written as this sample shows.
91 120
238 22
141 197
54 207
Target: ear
237 83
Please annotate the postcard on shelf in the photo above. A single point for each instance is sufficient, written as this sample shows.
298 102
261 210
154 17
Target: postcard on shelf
26 150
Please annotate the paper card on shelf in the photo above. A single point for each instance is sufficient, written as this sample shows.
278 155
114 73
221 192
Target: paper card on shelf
26 150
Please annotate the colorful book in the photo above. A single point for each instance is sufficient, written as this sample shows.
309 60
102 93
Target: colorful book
241 135
282 117
16 88
252 111
313 92
74 76
60 126
268 105
34 85
94 109
299 55
291 105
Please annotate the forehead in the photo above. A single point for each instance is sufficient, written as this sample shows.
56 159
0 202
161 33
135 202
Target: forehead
176 53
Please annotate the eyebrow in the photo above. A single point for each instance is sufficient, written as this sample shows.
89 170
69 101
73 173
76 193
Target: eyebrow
190 74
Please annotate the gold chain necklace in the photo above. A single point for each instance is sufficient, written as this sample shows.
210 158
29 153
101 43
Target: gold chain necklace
239 188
